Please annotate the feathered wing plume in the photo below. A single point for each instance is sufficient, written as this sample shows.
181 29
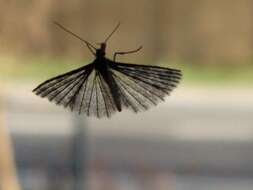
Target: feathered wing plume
85 90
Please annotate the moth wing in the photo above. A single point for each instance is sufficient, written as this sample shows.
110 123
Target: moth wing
96 98
143 86
82 90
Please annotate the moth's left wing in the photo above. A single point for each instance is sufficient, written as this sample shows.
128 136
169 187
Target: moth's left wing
82 90
61 89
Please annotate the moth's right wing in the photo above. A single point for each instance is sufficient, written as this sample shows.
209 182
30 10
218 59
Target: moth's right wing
143 86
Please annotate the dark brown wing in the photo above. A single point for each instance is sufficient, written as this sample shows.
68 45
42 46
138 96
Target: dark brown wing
85 90
96 98
143 86
82 90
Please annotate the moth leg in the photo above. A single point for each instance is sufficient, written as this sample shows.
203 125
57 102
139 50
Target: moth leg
126 52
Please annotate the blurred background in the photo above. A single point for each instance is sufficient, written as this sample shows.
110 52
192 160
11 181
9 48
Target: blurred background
200 138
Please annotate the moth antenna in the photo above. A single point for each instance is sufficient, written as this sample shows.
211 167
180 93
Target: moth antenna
75 35
114 30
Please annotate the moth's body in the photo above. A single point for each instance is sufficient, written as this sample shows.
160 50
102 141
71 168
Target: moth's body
106 86
101 66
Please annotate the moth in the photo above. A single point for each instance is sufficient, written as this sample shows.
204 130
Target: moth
106 86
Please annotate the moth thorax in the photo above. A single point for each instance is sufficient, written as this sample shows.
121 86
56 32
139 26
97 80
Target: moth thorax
100 53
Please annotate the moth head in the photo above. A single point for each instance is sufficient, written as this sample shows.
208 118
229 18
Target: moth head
103 46
100 52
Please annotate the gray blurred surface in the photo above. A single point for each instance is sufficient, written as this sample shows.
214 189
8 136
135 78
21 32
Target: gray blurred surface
204 142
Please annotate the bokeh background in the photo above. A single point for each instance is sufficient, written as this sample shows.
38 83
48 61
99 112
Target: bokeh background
200 138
